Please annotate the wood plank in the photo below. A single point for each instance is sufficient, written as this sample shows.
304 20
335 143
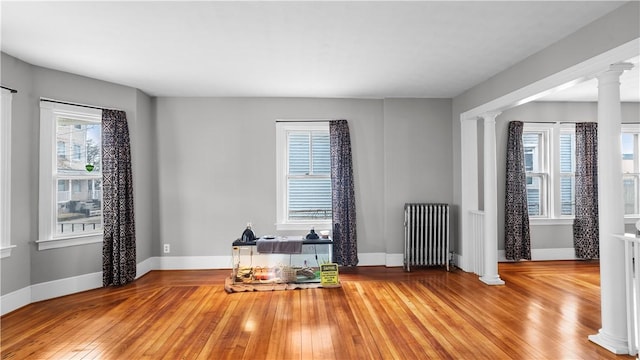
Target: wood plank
546 310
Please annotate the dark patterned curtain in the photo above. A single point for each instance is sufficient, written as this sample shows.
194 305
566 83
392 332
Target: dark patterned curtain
517 241
345 250
585 224
119 246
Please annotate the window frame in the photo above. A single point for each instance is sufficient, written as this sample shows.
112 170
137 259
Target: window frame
283 128
48 180
551 174
635 130
5 173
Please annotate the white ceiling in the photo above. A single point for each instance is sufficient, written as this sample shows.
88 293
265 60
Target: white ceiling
354 49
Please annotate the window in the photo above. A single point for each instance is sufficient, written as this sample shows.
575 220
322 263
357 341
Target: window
631 169
77 152
304 175
62 150
5 174
549 155
70 196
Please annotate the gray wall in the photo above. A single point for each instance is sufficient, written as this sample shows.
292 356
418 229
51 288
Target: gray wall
417 160
217 162
27 265
546 236
619 27
145 179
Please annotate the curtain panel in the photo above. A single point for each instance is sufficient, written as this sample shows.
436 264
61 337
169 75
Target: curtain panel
517 240
345 250
585 224
119 245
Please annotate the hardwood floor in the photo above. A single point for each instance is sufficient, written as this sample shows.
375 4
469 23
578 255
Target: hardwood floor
546 310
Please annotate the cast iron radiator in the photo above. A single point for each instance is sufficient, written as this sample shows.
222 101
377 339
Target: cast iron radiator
426 235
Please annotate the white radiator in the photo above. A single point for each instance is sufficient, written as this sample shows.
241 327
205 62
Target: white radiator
426 235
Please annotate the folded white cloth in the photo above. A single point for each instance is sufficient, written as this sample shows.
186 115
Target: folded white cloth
279 246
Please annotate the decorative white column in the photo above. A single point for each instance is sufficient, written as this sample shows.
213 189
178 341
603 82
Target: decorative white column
613 334
469 190
490 275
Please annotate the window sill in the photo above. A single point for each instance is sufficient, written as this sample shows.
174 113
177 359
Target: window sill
69 241
550 222
6 251
631 220
569 221
317 226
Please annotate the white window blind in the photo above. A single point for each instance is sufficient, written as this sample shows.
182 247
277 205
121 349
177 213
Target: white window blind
567 172
309 176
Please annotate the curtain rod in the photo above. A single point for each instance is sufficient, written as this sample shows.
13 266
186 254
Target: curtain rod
13 91
76 104
570 122
284 121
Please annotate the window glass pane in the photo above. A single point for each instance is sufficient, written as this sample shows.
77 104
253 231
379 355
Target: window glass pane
631 180
78 200
299 156
531 142
85 140
534 195
630 191
567 152
309 198
627 145
80 208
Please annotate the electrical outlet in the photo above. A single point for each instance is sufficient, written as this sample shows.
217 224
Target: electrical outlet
167 248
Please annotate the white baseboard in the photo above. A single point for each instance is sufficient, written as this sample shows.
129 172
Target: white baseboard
62 287
193 262
545 254
147 265
371 259
393 260
380 259
15 300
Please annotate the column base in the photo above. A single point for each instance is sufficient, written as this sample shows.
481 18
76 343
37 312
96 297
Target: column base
615 345
492 280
